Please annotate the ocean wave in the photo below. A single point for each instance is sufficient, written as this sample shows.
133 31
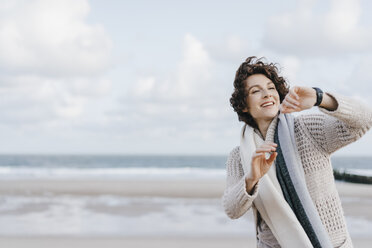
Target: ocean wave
7 172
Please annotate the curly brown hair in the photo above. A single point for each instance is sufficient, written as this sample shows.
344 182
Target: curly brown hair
253 65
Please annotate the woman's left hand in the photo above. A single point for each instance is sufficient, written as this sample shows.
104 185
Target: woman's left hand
298 99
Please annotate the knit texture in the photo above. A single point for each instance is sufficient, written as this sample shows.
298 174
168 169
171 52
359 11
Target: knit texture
317 137
290 194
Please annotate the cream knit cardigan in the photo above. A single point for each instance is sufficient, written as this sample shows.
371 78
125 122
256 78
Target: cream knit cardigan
317 137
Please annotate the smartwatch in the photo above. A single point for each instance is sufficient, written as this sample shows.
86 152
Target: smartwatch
319 96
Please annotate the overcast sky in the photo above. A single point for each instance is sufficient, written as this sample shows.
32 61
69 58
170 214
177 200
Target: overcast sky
155 77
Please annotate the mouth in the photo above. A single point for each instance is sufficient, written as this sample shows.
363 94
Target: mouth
267 105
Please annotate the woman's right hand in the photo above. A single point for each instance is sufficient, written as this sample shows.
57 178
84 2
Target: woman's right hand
261 165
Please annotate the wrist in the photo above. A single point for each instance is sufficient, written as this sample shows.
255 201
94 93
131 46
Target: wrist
250 183
329 102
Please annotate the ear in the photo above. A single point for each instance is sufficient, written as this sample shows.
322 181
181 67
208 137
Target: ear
246 110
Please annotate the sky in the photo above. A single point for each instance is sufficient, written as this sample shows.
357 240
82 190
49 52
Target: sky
155 77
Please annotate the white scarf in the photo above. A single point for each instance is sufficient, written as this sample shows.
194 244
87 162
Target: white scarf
270 201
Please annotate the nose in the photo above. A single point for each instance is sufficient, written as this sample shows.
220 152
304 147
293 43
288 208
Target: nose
266 93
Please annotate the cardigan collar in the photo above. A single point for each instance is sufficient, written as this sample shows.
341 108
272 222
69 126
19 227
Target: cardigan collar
270 130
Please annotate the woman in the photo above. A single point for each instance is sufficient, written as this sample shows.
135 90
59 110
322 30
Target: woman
282 168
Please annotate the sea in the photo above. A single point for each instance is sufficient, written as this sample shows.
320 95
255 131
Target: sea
115 215
135 166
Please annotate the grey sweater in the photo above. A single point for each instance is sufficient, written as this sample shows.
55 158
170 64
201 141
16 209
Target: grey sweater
317 137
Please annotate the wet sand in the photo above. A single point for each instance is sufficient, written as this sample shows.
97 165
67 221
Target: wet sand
356 200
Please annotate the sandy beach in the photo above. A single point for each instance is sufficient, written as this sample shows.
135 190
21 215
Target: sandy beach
168 188
140 195
93 242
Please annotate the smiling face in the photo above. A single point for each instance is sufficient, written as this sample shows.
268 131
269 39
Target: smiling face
263 99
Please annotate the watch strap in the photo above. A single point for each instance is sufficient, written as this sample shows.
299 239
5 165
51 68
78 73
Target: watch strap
319 96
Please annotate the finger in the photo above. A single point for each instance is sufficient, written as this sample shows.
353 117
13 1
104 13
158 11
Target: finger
284 109
294 91
280 108
287 110
267 146
270 144
290 105
287 104
257 155
272 158
292 100
265 149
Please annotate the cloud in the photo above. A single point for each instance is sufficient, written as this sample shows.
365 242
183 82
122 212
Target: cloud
188 80
311 33
232 48
52 61
52 36
290 66
190 101
194 70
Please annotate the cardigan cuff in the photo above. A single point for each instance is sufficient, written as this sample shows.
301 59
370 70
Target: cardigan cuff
243 189
238 201
241 195
349 111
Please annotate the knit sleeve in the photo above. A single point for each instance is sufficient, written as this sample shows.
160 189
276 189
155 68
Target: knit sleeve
236 200
336 129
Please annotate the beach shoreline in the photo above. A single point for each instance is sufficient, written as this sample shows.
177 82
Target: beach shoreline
129 242
140 242
162 188
134 200
189 188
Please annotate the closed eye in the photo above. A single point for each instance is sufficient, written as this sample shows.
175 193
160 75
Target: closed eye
271 88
